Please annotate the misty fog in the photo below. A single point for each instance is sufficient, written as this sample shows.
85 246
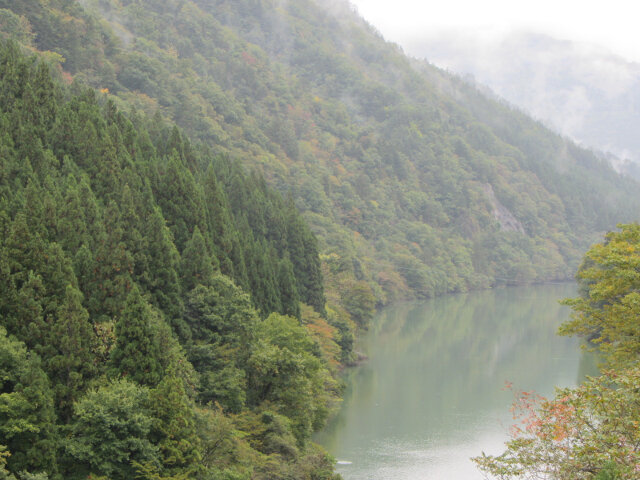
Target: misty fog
580 90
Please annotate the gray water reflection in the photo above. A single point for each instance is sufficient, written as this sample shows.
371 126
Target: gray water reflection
432 393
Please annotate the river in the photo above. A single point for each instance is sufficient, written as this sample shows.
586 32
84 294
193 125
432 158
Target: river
432 393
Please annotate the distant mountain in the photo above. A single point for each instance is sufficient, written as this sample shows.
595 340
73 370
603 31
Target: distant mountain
580 90
415 183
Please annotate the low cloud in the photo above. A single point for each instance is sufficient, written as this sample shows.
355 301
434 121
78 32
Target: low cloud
581 90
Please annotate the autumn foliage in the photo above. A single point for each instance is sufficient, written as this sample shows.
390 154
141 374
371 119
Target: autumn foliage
582 433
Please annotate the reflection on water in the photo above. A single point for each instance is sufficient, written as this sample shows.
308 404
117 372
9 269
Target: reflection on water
432 393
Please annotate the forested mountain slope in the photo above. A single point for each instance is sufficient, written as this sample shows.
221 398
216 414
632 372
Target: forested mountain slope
414 182
126 349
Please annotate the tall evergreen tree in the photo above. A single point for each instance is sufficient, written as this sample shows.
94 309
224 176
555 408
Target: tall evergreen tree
160 279
71 360
287 287
181 201
135 355
219 223
72 229
303 251
109 283
130 212
196 266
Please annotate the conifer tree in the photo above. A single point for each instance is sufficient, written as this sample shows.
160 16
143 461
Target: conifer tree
21 306
72 231
92 213
130 211
41 102
174 143
303 252
85 268
219 223
262 277
135 355
108 178
181 201
160 279
196 266
34 210
71 362
287 288
38 275
111 280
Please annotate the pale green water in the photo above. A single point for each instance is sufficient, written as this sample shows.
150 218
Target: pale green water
432 392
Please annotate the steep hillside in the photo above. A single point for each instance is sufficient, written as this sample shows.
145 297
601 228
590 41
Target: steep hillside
126 349
414 183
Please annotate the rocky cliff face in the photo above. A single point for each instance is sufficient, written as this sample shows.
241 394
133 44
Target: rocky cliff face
508 222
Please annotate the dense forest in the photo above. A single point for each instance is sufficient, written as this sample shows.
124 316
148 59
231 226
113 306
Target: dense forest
201 202
591 431
162 310
414 183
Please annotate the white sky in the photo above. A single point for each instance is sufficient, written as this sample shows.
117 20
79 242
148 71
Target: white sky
613 24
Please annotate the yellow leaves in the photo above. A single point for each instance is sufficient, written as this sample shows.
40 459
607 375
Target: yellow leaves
323 333
172 52
52 58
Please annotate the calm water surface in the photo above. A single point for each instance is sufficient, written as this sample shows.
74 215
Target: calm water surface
432 393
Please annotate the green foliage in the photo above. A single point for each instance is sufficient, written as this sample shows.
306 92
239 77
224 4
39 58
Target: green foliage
196 267
161 278
286 284
16 27
174 430
225 452
606 312
4 474
223 325
286 370
26 410
72 364
360 302
111 430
